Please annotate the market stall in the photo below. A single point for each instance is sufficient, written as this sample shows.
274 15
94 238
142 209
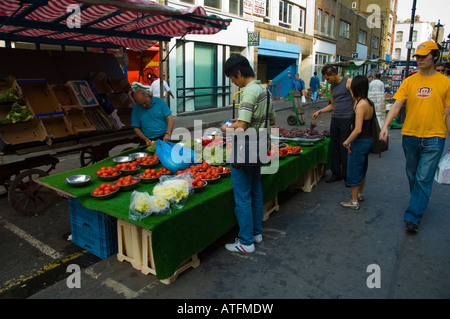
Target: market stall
39 77
205 217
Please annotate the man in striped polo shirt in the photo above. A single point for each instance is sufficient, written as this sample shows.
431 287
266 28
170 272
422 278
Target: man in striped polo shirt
246 181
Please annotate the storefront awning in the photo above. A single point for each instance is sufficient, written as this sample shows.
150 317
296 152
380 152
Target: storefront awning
135 24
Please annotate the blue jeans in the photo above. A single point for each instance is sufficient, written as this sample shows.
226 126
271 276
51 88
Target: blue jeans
358 161
314 95
422 158
248 198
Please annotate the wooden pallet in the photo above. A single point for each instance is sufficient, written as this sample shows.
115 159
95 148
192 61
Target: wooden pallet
270 207
135 247
307 181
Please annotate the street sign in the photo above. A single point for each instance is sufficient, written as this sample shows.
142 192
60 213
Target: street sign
253 38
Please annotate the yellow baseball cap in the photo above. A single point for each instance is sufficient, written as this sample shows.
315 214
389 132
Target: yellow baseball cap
425 48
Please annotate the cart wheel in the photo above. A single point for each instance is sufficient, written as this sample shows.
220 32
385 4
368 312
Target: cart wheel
87 157
292 120
28 197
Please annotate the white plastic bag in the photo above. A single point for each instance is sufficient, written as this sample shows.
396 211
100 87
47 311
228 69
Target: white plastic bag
442 175
303 99
143 205
175 189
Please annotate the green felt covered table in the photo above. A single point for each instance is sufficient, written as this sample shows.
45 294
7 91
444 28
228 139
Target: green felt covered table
206 216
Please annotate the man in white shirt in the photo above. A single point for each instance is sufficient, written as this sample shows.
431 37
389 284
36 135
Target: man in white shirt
155 88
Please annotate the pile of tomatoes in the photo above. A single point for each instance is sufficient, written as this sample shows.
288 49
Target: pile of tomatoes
104 189
197 182
150 173
132 166
148 160
127 180
107 171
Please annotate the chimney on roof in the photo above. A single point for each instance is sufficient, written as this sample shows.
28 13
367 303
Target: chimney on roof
417 18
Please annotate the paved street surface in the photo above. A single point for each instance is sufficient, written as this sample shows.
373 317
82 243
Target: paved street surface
312 248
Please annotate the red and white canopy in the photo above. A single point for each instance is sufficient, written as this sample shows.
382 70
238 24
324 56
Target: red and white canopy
135 24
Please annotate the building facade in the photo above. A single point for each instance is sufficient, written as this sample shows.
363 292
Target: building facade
422 31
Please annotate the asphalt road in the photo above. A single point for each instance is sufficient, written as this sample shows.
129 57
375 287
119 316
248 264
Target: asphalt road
312 248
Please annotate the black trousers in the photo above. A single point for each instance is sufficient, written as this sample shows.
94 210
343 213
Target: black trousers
340 129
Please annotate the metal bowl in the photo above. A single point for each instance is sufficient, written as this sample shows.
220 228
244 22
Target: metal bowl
212 180
122 159
110 178
78 180
225 174
138 155
107 196
200 188
149 180
131 172
129 187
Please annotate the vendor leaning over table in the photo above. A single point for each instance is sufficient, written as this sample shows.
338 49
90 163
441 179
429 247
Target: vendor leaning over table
247 189
151 118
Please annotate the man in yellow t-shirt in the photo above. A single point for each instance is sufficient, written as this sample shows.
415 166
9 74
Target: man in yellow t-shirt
427 122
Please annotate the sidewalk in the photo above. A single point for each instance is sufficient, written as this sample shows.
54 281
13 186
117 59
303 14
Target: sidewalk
312 247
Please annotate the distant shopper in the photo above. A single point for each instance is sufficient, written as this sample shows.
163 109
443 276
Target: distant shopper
151 118
155 88
359 142
427 123
341 107
440 67
298 84
314 84
378 97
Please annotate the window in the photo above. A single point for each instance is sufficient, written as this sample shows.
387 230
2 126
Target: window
285 15
344 29
414 36
398 53
235 7
213 3
332 27
362 37
325 24
321 60
399 36
375 42
301 22
188 1
319 21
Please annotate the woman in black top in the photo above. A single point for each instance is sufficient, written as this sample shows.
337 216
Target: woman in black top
359 142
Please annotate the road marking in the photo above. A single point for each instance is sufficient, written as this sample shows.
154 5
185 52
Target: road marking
47 250
22 279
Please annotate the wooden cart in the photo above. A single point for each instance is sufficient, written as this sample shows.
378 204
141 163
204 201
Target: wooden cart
19 168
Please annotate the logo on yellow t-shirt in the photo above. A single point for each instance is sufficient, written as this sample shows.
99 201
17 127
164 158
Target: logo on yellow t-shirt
424 92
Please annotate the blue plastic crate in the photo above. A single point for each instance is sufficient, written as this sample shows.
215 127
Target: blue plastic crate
99 222
93 230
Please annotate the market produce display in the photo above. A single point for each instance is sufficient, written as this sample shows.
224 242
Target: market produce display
10 96
175 190
142 205
108 173
19 113
147 161
298 134
104 191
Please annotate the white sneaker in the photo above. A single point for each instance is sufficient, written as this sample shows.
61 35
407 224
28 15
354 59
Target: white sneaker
238 247
258 238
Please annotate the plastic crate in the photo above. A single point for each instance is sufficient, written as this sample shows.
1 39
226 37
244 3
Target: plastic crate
93 230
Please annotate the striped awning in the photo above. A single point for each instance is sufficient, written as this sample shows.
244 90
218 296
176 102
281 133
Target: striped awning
134 24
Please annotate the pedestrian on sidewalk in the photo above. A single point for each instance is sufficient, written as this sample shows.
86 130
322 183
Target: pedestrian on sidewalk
314 84
360 141
247 188
425 128
341 106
